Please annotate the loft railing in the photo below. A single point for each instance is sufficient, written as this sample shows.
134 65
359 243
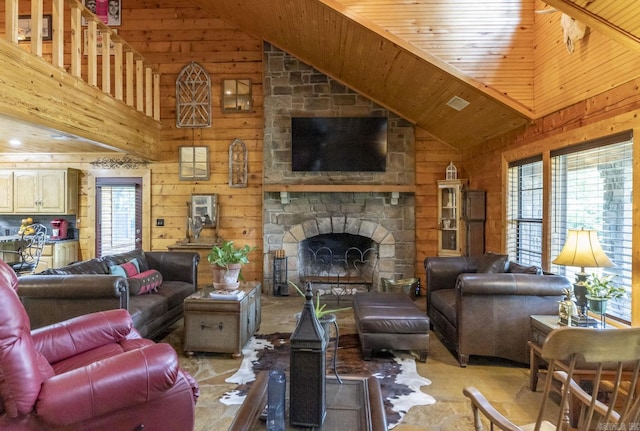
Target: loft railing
135 81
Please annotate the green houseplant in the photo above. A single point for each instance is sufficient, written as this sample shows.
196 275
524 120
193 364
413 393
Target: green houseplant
320 310
599 290
226 262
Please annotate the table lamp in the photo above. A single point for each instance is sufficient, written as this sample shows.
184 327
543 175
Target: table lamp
582 249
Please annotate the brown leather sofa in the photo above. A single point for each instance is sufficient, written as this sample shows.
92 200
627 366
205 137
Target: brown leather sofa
89 286
487 314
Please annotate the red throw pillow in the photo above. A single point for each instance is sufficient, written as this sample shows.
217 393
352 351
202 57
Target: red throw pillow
145 282
129 268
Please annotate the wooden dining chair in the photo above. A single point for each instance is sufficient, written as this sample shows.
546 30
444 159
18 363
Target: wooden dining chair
612 360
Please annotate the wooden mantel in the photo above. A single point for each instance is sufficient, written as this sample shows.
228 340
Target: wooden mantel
340 188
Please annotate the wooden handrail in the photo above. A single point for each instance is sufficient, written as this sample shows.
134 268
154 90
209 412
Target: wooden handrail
126 66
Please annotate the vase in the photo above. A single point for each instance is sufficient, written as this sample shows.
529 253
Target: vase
226 277
598 305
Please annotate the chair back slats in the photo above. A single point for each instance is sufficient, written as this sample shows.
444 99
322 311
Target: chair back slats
613 355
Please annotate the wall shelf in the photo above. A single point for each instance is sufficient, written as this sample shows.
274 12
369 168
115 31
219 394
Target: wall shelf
340 188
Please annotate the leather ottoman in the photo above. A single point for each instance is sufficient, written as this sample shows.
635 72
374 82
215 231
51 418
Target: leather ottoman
390 321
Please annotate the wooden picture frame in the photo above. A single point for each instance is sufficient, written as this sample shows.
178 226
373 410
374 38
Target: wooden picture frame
205 208
194 163
24 28
236 95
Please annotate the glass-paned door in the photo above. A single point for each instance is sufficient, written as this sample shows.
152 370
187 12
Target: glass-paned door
118 215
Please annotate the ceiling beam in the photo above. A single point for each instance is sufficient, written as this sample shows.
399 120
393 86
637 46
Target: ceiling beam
597 23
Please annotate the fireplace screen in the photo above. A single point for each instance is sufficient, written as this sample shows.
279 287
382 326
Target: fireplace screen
338 262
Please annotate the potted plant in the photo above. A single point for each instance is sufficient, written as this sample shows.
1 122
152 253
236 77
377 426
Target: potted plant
324 316
599 290
226 262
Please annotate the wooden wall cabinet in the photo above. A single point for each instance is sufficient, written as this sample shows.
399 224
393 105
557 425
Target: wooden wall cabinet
450 232
45 191
6 191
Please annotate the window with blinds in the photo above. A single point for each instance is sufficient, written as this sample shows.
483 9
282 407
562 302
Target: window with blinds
119 215
592 189
524 211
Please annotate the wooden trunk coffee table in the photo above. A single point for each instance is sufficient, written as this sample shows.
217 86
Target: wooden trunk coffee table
220 325
356 404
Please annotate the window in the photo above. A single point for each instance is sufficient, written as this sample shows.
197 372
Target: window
592 189
524 212
119 215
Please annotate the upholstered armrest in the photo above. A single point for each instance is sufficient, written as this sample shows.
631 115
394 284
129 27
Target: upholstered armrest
442 272
511 284
174 265
72 337
72 286
131 378
51 299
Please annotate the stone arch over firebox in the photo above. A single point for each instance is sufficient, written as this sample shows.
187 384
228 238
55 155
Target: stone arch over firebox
341 224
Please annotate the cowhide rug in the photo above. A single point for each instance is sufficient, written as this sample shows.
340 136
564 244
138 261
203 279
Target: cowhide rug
399 381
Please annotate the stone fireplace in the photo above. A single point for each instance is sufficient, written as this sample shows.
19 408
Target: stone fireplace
390 229
298 206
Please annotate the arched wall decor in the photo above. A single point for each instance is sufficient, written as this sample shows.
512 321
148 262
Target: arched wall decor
237 164
193 97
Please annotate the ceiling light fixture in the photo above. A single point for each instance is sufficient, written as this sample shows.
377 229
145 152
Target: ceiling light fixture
457 103
15 142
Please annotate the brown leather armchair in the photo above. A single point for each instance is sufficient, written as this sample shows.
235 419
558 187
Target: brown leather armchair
93 372
487 314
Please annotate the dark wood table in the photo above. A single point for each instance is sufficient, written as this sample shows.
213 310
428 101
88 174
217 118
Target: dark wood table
354 405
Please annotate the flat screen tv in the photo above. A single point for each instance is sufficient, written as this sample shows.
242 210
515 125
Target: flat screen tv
339 144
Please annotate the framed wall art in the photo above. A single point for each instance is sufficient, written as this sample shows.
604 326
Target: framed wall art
24 28
194 163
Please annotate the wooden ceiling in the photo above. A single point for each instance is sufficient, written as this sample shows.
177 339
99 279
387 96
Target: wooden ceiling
413 56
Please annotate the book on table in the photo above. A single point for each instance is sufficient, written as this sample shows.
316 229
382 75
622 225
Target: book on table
229 295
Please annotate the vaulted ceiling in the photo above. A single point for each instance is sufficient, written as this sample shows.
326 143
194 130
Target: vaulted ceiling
413 57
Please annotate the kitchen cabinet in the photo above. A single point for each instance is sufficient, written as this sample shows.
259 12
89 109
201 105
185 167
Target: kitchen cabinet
59 254
6 191
45 191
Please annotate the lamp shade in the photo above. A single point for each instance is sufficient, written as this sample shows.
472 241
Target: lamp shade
583 249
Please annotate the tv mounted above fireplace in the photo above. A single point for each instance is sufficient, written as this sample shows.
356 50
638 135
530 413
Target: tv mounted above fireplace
339 144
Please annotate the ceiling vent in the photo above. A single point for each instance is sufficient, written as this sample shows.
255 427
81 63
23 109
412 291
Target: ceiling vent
457 103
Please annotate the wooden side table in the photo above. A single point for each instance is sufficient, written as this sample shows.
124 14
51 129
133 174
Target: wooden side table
541 325
221 325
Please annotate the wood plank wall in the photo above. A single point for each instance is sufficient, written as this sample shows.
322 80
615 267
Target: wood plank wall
171 34
596 65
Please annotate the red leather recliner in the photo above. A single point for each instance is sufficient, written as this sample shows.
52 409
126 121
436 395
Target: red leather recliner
93 372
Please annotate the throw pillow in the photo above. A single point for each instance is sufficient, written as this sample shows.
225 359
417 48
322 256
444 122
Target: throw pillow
516 268
145 282
125 270
491 263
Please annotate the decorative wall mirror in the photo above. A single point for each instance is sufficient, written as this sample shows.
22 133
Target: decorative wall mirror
236 95
194 163
205 208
